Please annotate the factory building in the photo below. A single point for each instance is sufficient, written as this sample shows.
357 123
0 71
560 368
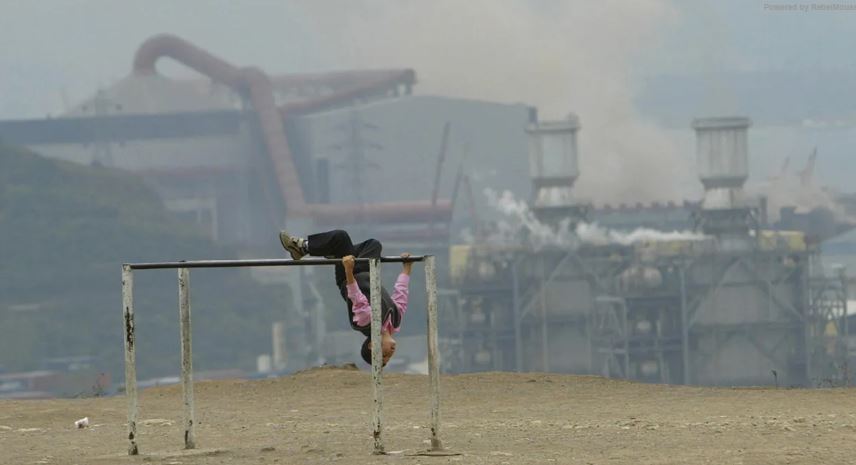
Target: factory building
244 154
732 303
732 299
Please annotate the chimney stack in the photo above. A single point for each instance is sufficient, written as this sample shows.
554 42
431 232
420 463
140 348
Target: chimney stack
721 151
553 167
722 156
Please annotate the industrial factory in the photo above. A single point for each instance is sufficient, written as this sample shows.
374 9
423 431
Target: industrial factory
732 303
707 291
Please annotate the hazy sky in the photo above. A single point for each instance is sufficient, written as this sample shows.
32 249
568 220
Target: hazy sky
586 56
51 46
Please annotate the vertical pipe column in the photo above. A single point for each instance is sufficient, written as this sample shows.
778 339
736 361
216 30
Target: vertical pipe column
844 294
545 341
377 359
685 329
515 297
433 360
130 357
186 356
626 333
808 317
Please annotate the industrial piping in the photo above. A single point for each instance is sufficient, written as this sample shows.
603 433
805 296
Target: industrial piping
250 81
254 83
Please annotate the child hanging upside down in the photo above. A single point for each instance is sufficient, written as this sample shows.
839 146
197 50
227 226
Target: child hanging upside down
352 278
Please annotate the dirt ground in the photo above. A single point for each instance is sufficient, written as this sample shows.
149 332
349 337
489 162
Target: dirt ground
323 415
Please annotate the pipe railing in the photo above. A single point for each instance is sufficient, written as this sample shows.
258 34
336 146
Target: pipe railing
184 267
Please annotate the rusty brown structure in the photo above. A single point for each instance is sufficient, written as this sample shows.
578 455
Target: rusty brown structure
258 88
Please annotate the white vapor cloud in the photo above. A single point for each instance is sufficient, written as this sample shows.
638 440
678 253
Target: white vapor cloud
519 224
562 56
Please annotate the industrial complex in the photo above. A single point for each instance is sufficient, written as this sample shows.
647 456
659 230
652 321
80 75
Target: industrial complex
717 290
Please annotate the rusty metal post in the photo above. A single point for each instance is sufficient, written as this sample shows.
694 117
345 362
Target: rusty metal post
186 356
433 356
377 356
130 357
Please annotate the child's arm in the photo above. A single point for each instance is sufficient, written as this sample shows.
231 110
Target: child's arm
348 264
406 266
401 290
359 304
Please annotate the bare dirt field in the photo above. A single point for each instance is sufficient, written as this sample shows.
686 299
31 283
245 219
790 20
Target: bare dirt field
322 416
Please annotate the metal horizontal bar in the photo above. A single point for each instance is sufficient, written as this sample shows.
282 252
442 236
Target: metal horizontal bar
261 262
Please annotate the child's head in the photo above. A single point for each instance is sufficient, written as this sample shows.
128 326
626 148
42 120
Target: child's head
366 350
387 348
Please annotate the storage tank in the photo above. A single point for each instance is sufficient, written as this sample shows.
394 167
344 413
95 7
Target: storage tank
553 160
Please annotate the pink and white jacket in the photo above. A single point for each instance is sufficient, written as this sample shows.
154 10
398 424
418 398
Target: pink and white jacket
363 310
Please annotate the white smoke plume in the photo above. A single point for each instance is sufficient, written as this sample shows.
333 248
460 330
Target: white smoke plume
592 233
520 225
577 56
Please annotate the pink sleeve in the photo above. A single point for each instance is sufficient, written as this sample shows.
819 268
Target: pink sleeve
399 294
360 305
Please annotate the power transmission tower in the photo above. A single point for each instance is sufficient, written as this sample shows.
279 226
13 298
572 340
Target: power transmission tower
355 162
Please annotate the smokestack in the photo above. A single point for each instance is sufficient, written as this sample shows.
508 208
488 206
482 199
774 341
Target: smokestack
722 156
553 161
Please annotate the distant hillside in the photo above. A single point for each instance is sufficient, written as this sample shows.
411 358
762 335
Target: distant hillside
65 230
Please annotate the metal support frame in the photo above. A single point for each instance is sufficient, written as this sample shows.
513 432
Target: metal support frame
611 332
433 355
377 356
545 334
130 356
186 356
827 304
524 303
517 316
693 311
186 351
685 328
765 285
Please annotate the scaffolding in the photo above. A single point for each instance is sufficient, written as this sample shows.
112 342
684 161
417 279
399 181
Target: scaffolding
690 316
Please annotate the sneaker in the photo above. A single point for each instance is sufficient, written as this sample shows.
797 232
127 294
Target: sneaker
296 246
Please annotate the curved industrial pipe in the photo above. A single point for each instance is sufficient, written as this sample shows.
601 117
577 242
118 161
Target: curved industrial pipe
182 51
254 83
250 81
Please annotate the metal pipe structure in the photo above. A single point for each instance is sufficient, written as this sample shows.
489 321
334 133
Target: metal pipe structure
685 330
545 342
248 81
186 356
130 357
515 298
433 354
255 84
377 356
306 83
262 262
183 268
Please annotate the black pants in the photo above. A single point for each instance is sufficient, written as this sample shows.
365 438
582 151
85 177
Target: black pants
338 244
